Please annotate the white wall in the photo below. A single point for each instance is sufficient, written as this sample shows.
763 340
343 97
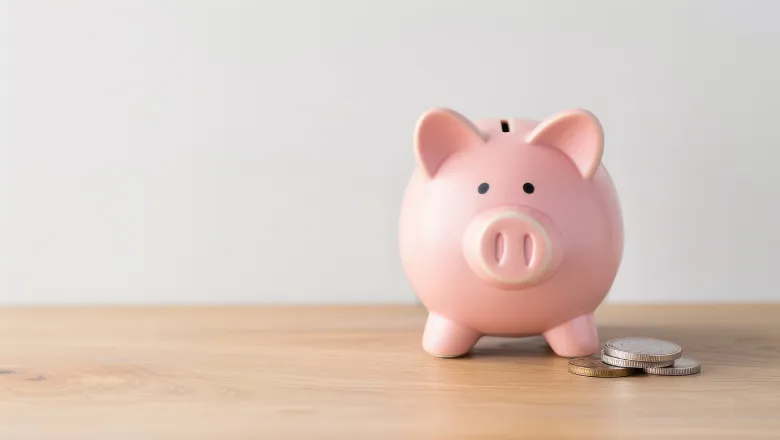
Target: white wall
225 151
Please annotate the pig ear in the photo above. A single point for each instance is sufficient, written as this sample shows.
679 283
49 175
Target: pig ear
441 132
577 133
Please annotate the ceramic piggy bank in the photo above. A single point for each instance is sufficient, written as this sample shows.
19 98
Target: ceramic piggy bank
510 228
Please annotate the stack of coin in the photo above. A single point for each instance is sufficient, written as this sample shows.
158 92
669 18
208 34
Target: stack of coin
627 356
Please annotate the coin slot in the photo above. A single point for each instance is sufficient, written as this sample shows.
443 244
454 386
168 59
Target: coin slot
505 126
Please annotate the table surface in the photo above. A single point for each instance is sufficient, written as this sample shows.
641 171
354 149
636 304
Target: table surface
359 372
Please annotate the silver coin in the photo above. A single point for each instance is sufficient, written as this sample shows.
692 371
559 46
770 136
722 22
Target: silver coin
627 363
642 349
681 367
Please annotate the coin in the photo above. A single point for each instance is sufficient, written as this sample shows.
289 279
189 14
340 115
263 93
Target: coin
681 367
631 364
592 366
642 349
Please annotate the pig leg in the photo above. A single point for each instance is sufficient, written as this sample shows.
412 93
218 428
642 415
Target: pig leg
447 339
578 337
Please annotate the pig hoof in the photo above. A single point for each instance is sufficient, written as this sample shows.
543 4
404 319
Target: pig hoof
445 356
444 338
574 338
445 351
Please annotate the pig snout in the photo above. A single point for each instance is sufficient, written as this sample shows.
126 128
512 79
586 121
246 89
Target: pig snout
512 247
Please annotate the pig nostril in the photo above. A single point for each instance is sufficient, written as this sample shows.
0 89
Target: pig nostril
505 126
499 248
528 248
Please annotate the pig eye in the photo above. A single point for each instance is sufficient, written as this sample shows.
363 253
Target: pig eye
528 187
483 187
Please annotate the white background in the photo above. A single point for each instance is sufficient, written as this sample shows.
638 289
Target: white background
225 151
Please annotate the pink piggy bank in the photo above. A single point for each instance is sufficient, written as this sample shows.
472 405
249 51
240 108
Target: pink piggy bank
510 228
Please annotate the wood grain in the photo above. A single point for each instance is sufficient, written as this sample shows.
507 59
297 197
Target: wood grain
222 373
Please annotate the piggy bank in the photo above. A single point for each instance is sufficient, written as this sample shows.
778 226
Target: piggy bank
510 227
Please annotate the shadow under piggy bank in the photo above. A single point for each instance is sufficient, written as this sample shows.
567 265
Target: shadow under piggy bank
493 346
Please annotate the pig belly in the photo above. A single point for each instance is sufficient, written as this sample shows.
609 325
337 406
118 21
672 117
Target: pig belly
518 314
507 322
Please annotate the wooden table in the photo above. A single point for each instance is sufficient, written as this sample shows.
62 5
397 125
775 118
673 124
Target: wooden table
359 373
